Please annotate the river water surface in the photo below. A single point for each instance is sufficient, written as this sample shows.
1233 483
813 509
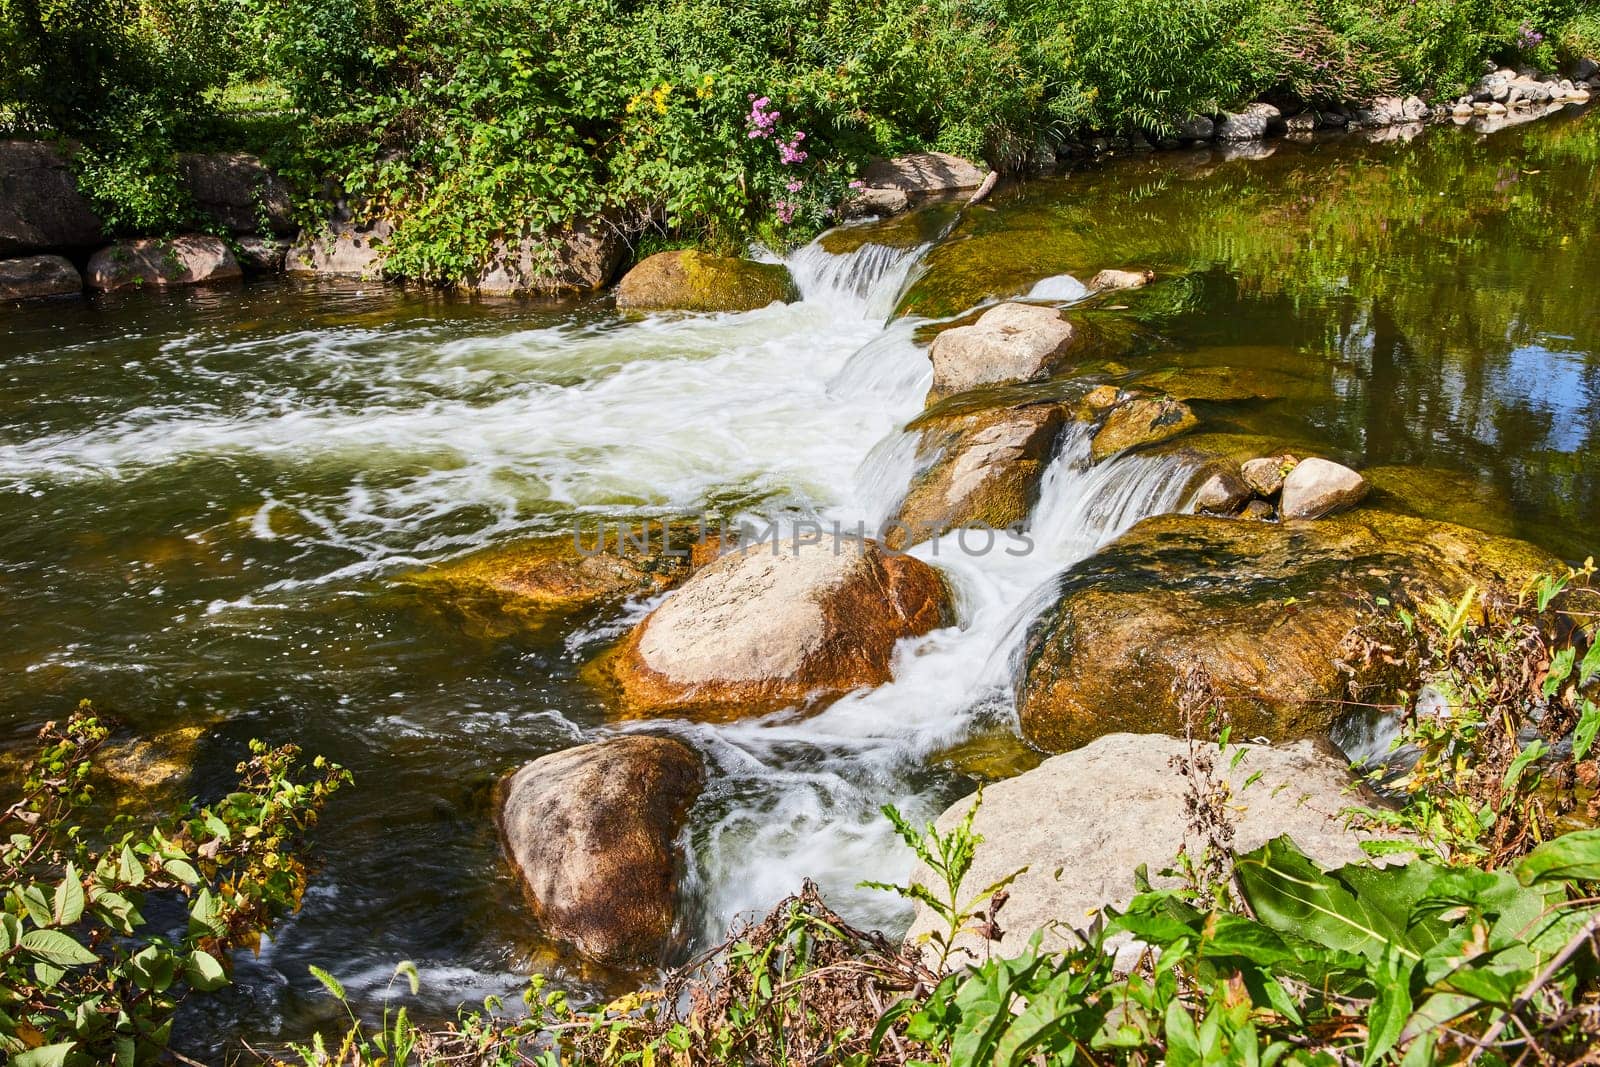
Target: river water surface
207 498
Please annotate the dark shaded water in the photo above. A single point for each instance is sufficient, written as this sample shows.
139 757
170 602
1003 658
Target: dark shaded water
207 498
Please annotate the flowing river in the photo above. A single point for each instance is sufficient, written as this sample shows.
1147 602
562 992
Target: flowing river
208 498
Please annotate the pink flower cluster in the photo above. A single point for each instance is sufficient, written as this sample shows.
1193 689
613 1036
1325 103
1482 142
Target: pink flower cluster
786 211
761 122
789 151
762 125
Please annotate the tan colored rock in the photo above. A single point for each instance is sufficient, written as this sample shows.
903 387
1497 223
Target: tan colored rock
342 249
694 281
880 203
1009 343
40 205
1082 823
924 174
1318 487
1262 607
1138 421
1122 279
582 259
764 628
238 191
192 259
1224 493
1265 474
37 277
988 473
592 831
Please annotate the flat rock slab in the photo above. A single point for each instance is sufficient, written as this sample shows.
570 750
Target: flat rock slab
925 174
1083 823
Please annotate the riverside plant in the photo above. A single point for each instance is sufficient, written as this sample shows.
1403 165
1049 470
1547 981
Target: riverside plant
86 976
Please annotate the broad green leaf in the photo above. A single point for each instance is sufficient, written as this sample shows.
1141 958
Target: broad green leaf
69 898
182 870
56 947
1588 725
1183 1042
1570 856
45 1055
10 931
1560 670
1533 750
1591 661
153 968
129 869
39 909
204 972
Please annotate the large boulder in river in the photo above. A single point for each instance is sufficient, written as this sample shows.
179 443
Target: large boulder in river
924 174
987 472
1139 420
35 277
694 281
592 831
236 190
343 248
529 584
153 262
40 205
1264 608
1009 343
580 259
1083 822
774 625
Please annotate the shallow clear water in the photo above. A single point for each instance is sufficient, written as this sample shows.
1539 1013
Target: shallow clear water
207 498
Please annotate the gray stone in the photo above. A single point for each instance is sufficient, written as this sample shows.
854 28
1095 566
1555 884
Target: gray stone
582 259
1265 475
261 255
1251 124
1198 128
1318 487
40 206
1083 822
876 203
1009 343
592 831
236 190
36 277
1121 279
1305 122
924 173
190 259
342 249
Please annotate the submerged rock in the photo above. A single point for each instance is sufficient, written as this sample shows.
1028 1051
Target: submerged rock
1318 487
1009 343
40 205
529 584
192 259
592 831
1117 804
770 626
36 277
1263 608
988 471
694 281
1137 421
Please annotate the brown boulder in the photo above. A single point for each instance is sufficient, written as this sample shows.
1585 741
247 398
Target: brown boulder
35 277
1121 279
581 259
770 626
40 205
1264 608
341 249
694 281
592 832
192 259
1138 421
1224 493
987 473
1265 474
1318 487
236 190
1009 343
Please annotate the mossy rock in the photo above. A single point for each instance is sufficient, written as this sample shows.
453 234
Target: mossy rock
1224 384
919 227
1137 421
1448 496
694 281
985 471
531 584
1264 608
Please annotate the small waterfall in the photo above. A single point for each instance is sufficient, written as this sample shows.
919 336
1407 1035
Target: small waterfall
866 282
1082 506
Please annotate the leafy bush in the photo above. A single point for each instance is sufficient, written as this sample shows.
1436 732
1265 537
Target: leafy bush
86 977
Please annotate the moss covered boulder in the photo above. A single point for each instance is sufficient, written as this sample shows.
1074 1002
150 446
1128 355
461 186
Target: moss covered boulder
985 468
767 627
527 585
1139 420
592 832
693 281
1263 608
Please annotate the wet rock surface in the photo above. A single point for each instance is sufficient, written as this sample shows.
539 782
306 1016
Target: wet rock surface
1009 343
38 277
694 281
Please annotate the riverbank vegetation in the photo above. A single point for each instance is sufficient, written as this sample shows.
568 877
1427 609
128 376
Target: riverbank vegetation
698 121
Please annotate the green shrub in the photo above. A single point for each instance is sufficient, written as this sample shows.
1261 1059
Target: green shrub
85 977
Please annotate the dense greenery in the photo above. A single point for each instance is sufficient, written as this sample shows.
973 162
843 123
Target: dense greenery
105 931
708 121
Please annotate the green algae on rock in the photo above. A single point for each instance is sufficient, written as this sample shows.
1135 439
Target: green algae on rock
694 281
1138 421
1264 608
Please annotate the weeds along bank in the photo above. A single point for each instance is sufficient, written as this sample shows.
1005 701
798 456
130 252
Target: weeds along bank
488 135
